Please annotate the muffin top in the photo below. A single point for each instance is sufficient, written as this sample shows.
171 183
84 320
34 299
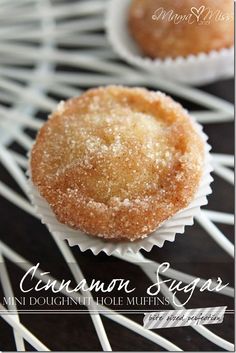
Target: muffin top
116 162
172 28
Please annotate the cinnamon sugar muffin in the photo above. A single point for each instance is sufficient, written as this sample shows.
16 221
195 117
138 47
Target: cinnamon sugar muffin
160 31
117 162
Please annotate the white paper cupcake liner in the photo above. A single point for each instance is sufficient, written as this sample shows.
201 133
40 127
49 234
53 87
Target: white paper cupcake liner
194 69
166 232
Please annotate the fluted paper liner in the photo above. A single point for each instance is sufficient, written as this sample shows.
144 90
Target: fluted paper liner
166 232
193 69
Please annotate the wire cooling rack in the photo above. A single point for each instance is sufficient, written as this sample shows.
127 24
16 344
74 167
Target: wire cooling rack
40 59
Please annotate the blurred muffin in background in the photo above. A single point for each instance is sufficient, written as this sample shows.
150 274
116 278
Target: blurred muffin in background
172 28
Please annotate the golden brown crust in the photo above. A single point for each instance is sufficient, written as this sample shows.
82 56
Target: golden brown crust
116 162
163 37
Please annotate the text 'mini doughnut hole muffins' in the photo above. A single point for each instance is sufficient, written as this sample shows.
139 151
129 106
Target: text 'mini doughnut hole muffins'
117 162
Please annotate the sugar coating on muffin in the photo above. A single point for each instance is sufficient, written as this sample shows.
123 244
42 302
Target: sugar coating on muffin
172 28
117 162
